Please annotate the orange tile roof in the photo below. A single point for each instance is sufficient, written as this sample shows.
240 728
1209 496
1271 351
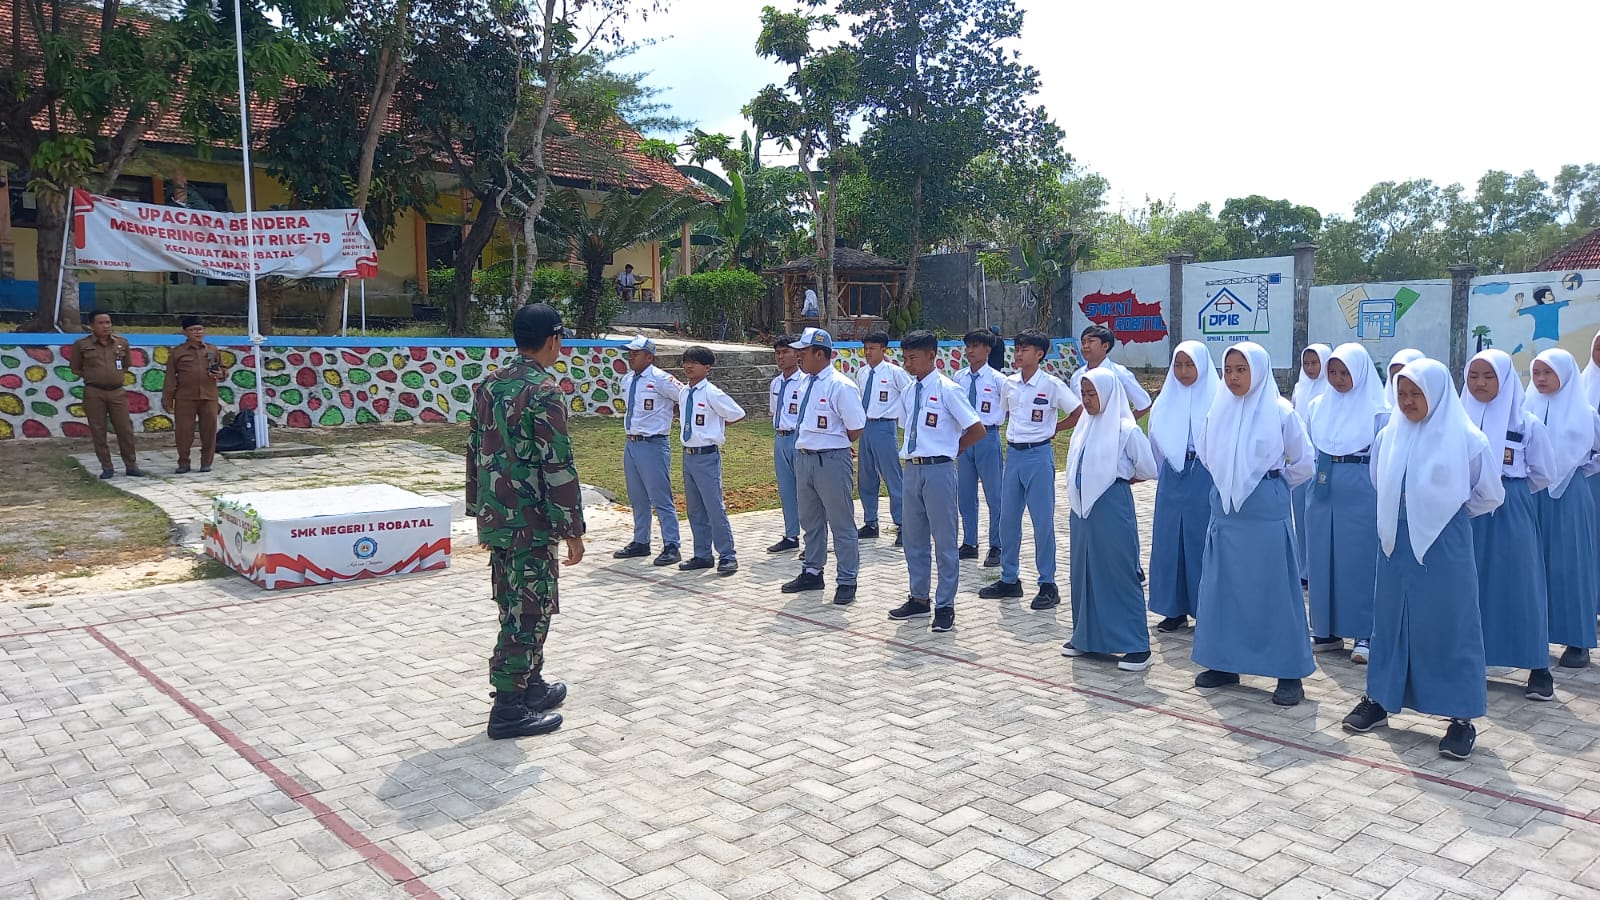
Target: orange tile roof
1583 253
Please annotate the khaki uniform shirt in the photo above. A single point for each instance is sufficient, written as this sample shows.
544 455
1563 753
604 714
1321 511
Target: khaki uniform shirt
100 363
187 375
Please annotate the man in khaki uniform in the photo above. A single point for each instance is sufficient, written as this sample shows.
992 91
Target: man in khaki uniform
100 358
193 369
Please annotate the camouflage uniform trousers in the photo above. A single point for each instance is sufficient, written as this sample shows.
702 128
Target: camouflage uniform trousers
524 582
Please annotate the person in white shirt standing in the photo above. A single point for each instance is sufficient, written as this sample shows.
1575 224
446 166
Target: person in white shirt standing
1095 345
783 425
939 425
829 418
880 382
649 396
707 411
984 389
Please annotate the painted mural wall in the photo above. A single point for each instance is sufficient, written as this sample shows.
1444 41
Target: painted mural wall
1530 312
1385 317
1241 300
1134 303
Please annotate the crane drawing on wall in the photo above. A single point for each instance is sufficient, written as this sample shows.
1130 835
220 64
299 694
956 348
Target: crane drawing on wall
1226 315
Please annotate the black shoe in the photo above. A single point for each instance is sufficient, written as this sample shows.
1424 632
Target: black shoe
899 539
1366 716
944 619
1575 658
695 562
869 530
1047 598
911 609
1211 678
784 545
1068 650
844 595
205 468
106 474
632 550
181 470
967 551
512 718
1541 686
1289 693
669 555
1172 623
805 581
992 561
1325 644
137 472
1458 739
727 566
1001 589
1134 662
1141 574
543 696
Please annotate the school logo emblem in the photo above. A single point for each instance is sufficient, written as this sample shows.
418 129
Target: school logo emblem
699 418
822 423
365 548
649 404
985 405
931 420
1510 455
883 396
1038 415
794 409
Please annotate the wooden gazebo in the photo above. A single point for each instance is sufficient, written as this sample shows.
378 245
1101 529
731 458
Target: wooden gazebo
867 284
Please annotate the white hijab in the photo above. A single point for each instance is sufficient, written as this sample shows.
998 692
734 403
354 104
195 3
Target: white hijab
1097 442
1504 412
1435 453
1341 424
1306 388
1243 437
1179 415
1403 358
1567 416
1591 375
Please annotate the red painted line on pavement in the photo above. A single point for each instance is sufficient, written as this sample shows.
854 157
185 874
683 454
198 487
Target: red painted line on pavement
1592 817
379 858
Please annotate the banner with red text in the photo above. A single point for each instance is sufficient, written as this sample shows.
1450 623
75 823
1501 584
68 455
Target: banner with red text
119 235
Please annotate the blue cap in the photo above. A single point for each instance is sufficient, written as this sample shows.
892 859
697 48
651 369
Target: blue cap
642 343
813 337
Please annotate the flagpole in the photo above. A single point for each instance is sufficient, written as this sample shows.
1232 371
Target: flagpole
256 340
61 272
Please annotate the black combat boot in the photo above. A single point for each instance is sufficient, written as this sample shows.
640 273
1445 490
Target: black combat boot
512 718
543 696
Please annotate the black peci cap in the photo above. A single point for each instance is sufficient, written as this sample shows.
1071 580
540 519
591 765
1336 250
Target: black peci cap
535 322
188 322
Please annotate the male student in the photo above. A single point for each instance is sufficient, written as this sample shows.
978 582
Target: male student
880 382
1095 345
783 429
647 457
707 412
984 390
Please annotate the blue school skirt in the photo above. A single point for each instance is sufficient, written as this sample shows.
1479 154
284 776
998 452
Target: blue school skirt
1178 538
1297 501
1427 637
1572 573
1342 548
1511 583
1253 613
1107 598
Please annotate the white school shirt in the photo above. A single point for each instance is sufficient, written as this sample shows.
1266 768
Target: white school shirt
990 405
938 425
1136 458
777 401
1032 406
1487 492
1299 457
833 410
1532 457
710 410
1138 397
657 393
889 380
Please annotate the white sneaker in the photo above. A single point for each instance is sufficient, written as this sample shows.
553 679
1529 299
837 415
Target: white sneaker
1068 650
1359 653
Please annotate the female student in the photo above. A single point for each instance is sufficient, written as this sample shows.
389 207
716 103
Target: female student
1108 451
1183 489
1400 360
1253 614
1511 584
1342 508
1308 387
1566 509
1433 470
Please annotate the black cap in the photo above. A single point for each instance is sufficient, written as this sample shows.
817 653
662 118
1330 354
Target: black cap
534 323
189 322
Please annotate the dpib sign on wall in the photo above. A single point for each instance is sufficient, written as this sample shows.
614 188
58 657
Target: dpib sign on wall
1242 300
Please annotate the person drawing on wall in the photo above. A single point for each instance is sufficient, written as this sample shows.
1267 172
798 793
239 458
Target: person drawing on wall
1546 315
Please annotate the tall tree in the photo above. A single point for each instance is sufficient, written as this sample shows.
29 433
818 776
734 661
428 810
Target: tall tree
1254 226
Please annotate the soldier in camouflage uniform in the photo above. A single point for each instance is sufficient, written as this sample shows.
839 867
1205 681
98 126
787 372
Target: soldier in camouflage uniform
522 485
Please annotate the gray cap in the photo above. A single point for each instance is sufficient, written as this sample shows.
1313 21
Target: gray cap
813 337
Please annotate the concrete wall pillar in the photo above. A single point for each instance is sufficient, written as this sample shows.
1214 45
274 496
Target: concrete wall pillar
1175 324
1305 274
1460 294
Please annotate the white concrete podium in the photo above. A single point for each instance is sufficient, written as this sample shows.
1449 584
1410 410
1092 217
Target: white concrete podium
280 539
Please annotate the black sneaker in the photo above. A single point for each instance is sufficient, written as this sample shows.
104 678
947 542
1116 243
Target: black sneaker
1068 650
1212 678
944 619
669 555
844 595
181 470
727 565
1172 623
511 718
1326 644
1134 662
1366 716
205 468
967 551
543 696
805 581
695 562
1001 589
1575 658
784 545
1458 739
1141 574
1047 598
899 539
869 530
911 609
632 550
992 561
1289 693
137 472
1541 686
106 474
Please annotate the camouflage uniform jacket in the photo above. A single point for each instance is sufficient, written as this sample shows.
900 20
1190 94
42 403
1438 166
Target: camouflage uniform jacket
522 482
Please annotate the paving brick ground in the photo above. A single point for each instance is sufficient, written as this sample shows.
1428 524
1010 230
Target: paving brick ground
722 739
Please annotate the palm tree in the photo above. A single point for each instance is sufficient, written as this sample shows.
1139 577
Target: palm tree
621 220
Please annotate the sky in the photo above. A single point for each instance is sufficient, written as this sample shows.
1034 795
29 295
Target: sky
1312 103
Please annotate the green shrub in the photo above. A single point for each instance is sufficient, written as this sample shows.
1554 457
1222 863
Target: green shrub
707 296
494 300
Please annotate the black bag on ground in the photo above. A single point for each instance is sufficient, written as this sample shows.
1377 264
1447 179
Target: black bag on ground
238 434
